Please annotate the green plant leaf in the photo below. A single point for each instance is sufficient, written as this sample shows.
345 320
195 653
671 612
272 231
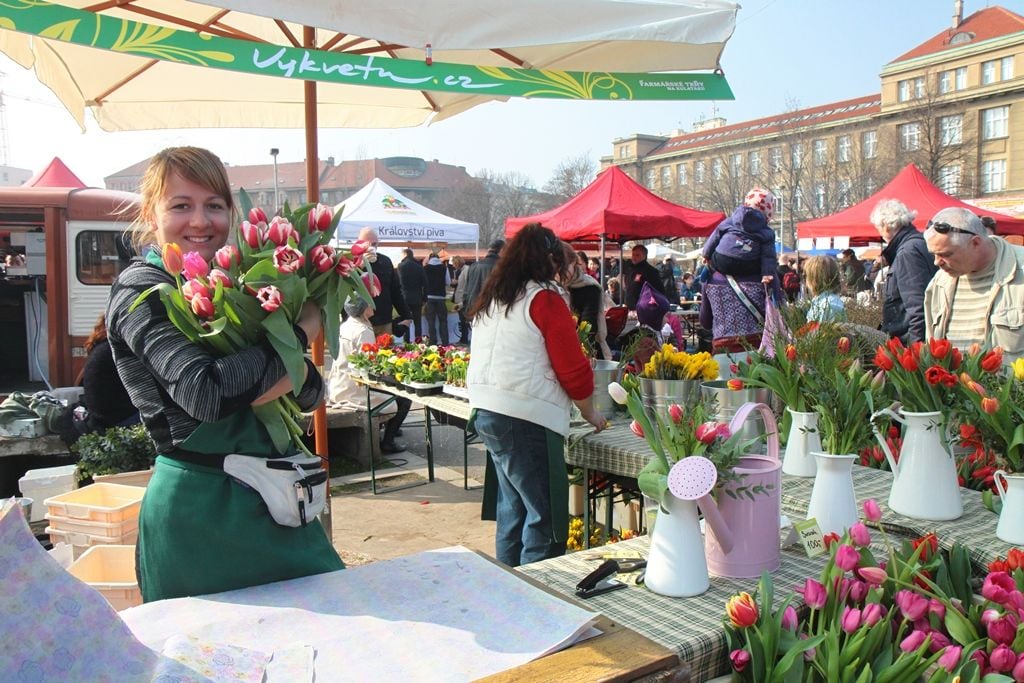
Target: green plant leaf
282 338
244 203
269 414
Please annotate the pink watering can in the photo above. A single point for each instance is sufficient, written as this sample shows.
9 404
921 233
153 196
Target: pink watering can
742 534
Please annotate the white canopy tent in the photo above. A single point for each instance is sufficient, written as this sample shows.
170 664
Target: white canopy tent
397 218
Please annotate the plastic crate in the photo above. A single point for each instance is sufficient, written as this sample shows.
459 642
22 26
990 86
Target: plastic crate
110 569
80 543
101 529
44 483
109 503
136 478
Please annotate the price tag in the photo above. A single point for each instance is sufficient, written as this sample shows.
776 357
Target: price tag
810 537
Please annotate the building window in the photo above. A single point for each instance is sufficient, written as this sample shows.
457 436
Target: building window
951 130
736 165
820 153
949 179
698 172
961 78
754 163
910 137
798 200
97 261
775 158
994 123
945 82
869 144
666 176
844 147
1006 68
919 88
844 193
652 178
716 169
988 72
797 154
623 152
819 196
681 173
870 186
903 91
993 176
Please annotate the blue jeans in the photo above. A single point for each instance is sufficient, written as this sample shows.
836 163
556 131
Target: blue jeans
525 532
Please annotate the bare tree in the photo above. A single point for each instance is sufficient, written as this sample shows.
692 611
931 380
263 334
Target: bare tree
571 176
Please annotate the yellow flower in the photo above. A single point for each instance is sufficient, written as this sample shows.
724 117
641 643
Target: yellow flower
1018 369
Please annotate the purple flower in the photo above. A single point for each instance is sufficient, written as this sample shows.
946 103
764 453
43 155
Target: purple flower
950 657
850 620
815 594
847 557
913 641
859 535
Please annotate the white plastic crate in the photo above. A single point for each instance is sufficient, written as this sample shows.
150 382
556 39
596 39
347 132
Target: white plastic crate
101 502
110 569
41 484
80 543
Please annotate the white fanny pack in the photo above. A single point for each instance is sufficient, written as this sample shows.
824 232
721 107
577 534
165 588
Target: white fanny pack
294 488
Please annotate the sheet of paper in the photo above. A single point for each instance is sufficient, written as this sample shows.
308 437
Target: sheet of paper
56 628
443 615
217 661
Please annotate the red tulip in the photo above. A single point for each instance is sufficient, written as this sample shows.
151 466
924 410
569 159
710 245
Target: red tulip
790 352
990 405
830 538
742 610
360 248
288 259
345 266
251 235
219 276
322 257
372 284
193 288
843 345
675 412
934 375
723 431
939 348
270 298
173 261
993 360
279 231
734 384
908 360
635 427
202 307
895 346
883 359
257 215
320 217
195 265
955 359
228 256
707 432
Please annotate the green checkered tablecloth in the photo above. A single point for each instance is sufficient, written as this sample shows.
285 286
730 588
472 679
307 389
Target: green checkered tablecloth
616 450
976 529
692 627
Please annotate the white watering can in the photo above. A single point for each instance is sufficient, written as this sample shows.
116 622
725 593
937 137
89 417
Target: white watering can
924 480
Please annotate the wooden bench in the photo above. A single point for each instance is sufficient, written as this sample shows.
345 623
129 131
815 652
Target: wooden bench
349 433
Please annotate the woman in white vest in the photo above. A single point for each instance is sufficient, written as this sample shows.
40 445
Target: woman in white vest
527 370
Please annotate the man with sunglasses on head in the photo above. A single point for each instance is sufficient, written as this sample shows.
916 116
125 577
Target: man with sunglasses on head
910 270
978 295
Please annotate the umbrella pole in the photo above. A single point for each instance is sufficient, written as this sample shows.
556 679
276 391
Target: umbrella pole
313 195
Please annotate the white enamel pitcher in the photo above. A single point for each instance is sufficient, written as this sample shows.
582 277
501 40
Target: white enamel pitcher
924 480
1011 518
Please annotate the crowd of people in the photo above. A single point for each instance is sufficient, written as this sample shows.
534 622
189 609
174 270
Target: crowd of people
517 307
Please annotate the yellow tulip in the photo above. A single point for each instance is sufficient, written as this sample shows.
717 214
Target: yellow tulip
1018 369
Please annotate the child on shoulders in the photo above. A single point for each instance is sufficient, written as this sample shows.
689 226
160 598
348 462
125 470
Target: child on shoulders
744 243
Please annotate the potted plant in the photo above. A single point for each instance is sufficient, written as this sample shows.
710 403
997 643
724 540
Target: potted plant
122 455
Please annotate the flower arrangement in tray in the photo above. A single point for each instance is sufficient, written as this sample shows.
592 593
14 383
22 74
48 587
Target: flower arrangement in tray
423 364
911 617
668 362
456 364
256 288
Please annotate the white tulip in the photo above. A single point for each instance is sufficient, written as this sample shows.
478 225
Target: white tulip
617 393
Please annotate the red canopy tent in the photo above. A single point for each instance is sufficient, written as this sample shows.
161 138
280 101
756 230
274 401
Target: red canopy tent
911 187
56 174
617 208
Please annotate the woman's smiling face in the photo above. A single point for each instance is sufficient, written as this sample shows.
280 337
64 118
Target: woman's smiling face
194 217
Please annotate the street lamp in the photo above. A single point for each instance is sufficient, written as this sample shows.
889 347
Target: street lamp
273 153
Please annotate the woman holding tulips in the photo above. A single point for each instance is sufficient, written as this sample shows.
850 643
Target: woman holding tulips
199 530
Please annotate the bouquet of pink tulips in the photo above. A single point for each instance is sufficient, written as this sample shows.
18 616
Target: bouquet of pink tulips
255 289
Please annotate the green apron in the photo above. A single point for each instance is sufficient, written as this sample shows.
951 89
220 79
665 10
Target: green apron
558 485
201 532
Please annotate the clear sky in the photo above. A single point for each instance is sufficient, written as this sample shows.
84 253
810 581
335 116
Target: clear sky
807 52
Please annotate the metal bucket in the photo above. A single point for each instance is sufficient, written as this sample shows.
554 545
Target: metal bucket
727 401
658 394
605 372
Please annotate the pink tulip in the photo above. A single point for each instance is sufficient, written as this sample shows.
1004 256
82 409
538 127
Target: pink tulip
850 620
789 618
288 259
257 215
195 265
279 231
950 657
202 307
740 659
1003 629
193 288
219 276
815 594
937 608
322 258
635 427
939 641
675 412
171 255
1018 669
912 605
858 590
1002 658
320 218
997 587
981 658
251 235
360 248
859 535
847 557
228 256
871 510
872 614
707 432
344 267
270 298
723 431
874 576
372 284
913 641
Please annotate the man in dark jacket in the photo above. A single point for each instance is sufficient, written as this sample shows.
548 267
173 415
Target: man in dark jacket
390 298
667 272
438 280
637 272
911 268
477 274
414 281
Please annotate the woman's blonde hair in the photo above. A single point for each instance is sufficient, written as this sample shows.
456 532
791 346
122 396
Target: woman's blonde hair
821 274
201 166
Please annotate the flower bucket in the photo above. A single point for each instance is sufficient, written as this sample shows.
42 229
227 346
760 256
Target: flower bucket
729 401
750 507
658 394
605 372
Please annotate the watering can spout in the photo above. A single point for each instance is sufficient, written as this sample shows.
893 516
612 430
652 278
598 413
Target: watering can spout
714 518
889 412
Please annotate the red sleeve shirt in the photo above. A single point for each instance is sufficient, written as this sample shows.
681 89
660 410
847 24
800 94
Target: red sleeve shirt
550 313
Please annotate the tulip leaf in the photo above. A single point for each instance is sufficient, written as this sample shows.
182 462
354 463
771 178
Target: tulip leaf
309 241
214 337
960 628
270 415
282 338
332 321
263 273
244 203
996 678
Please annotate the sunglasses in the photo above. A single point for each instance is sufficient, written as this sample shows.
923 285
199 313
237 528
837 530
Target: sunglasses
946 228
